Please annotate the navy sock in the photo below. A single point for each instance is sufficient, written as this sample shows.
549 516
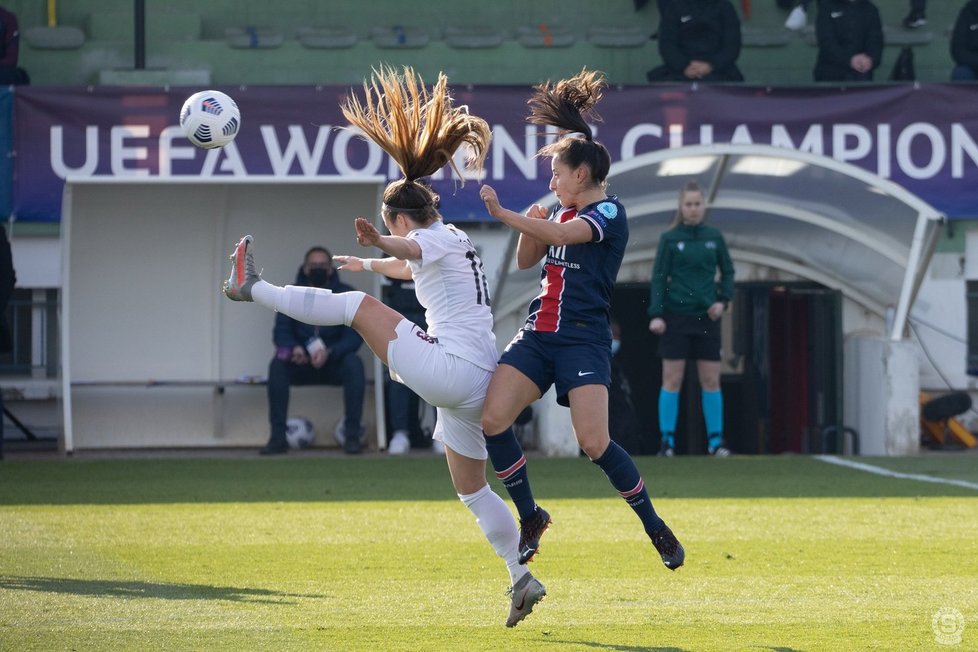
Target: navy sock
509 463
624 476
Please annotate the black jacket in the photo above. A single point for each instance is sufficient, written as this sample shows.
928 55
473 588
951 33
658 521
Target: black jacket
702 30
341 340
845 28
7 281
964 38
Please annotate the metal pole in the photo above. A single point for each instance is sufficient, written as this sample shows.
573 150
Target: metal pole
139 33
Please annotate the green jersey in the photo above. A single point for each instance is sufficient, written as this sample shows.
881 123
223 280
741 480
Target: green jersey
684 279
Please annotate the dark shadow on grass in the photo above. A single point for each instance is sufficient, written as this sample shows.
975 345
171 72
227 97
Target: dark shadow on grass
618 648
158 590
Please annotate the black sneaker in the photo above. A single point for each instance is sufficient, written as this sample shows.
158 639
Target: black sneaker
274 449
914 20
353 446
672 552
530 532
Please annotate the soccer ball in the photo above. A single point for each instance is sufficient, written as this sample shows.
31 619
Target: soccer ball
299 432
210 119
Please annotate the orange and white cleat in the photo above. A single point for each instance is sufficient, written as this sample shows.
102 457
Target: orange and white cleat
243 274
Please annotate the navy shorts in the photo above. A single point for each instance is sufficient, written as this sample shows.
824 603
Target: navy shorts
549 360
690 337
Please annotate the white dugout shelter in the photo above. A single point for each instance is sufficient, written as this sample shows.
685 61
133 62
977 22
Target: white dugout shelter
153 354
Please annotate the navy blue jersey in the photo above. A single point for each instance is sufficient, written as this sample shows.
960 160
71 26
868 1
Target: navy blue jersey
577 280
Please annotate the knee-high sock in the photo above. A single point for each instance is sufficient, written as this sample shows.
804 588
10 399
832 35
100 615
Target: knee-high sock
668 413
496 522
624 477
310 305
713 414
509 463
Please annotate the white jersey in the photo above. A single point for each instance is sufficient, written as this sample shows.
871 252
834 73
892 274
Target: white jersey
451 285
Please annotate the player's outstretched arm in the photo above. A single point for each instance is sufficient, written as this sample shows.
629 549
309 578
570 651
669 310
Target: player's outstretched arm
392 267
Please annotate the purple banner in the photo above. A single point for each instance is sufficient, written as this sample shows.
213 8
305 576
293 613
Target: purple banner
925 138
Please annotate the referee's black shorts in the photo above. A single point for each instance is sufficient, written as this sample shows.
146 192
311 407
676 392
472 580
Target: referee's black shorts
690 337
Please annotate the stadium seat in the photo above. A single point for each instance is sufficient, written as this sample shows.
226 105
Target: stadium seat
253 37
617 37
61 37
545 36
398 36
901 36
474 37
326 37
756 37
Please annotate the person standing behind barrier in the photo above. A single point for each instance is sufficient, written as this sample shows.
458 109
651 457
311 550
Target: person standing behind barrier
685 306
8 278
566 339
964 43
850 41
699 40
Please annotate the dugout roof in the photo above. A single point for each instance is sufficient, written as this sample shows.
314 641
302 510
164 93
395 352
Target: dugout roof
809 215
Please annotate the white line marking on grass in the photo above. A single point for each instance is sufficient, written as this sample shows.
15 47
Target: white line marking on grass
879 470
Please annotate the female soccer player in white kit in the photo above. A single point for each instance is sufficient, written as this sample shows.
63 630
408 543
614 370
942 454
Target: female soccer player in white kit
451 364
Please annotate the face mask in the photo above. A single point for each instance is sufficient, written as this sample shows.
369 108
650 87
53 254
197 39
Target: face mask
615 346
318 277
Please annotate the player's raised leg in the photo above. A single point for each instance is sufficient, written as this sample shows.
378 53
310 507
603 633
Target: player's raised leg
375 321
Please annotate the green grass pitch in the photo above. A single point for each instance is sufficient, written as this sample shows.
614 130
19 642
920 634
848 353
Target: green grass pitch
312 552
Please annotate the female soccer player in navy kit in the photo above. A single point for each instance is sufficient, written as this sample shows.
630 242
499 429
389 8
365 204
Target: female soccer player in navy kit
450 365
566 339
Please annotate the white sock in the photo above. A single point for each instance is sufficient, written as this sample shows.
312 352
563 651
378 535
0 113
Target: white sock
310 305
499 526
266 294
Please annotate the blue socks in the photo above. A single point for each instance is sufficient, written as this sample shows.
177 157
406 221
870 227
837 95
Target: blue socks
668 413
713 414
509 463
624 477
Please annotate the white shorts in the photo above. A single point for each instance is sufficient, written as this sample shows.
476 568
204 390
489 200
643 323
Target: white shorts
456 387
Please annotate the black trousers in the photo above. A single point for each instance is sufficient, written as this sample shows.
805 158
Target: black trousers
283 374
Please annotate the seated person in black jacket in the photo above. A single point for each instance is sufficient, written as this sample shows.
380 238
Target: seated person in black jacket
699 40
315 355
850 41
10 72
964 43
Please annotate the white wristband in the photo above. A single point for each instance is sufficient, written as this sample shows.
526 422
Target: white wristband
368 264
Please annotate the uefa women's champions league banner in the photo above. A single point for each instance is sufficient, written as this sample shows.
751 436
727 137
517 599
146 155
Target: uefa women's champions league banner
924 138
